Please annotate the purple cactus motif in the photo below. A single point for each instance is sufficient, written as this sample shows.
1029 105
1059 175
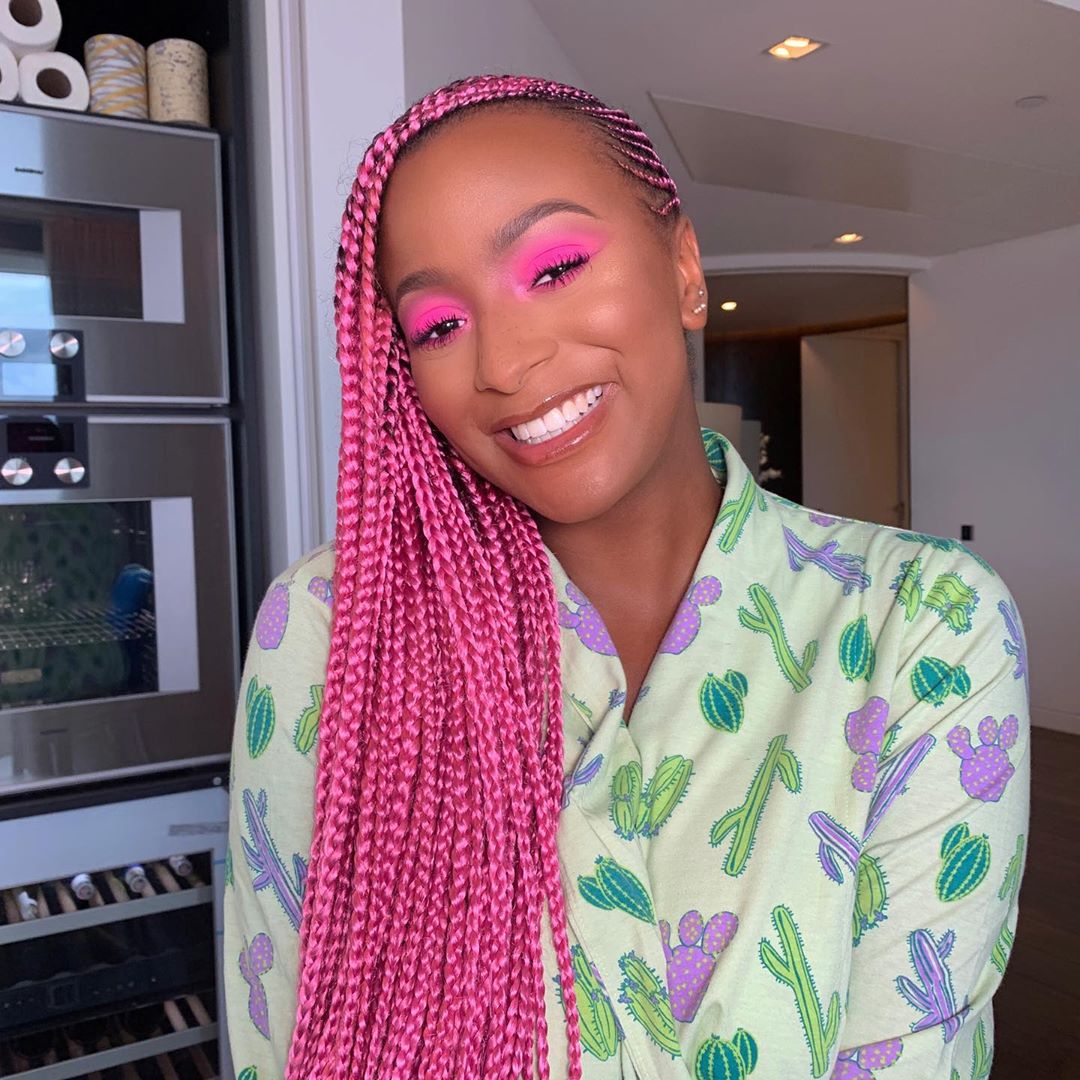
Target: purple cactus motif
934 996
687 622
865 731
859 1062
585 622
1015 645
822 519
895 774
842 566
273 617
985 770
255 961
691 963
322 589
266 865
581 775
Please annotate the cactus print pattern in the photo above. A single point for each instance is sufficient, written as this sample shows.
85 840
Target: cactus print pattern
985 770
798 856
255 961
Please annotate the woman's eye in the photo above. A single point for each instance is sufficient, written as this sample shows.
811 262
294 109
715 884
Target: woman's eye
436 333
559 273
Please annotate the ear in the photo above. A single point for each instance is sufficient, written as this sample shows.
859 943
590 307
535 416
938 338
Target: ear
690 277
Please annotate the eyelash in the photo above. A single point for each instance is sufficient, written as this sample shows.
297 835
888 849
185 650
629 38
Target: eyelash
570 268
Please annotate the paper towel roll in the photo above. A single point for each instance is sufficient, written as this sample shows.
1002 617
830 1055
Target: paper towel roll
9 74
28 26
53 79
116 69
176 72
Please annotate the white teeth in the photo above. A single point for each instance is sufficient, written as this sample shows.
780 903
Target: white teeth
557 420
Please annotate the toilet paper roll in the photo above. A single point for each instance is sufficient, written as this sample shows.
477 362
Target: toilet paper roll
176 73
53 79
9 74
116 70
29 26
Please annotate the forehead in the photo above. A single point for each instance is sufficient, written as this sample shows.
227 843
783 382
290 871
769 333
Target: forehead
457 186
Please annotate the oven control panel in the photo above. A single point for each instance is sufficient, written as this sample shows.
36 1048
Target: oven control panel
43 452
41 365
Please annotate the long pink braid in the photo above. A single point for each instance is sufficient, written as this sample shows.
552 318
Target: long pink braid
440 740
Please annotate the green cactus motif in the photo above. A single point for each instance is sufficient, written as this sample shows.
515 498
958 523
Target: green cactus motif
613 886
965 863
857 655
627 809
1010 886
229 867
307 726
932 680
260 711
665 791
719 1059
643 992
871 897
735 515
581 708
643 812
999 955
722 700
791 968
250 1073
908 587
600 1029
743 820
953 600
982 1054
767 621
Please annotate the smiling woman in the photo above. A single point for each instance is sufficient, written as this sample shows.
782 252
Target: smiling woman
495 748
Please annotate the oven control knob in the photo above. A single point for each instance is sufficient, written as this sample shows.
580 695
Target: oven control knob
12 343
69 470
63 345
16 471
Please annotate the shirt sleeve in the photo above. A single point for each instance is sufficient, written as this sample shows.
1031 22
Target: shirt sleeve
271 799
944 844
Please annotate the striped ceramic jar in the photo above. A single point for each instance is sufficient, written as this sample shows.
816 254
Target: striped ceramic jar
116 68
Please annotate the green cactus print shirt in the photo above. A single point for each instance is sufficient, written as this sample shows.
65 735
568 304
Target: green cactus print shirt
801 857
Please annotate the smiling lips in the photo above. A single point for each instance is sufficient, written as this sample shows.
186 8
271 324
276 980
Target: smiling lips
558 419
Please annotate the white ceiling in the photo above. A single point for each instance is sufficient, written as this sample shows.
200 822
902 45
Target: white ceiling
923 150
791 302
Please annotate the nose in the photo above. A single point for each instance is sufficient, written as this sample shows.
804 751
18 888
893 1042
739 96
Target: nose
508 348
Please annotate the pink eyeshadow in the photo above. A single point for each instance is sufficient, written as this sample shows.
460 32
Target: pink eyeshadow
430 311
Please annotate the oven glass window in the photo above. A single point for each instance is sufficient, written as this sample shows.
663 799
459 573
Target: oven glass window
77 614
67 259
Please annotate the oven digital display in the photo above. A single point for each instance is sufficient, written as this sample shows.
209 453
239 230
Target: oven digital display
40 437
31 380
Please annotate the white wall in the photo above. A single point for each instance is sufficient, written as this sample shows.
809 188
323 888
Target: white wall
327 75
447 41
995 434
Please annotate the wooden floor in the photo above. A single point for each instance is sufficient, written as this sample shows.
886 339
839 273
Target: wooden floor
1037 1009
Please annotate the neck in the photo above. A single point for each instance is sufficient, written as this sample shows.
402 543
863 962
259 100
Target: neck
651 539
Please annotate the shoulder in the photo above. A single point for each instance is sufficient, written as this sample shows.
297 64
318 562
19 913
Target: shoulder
886 551
297 607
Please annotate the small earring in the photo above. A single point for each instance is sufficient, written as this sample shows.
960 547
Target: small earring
700 308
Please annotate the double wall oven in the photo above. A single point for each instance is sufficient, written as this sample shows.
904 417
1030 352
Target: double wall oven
118 624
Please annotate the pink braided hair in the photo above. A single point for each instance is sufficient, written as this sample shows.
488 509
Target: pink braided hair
440 740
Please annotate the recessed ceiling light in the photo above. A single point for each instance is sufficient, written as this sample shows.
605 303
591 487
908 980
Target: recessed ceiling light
1032 101
847 238
728 305
794 47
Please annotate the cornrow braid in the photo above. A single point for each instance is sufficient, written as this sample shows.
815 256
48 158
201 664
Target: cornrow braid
434 855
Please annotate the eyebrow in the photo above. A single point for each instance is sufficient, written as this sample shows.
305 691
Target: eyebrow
503 237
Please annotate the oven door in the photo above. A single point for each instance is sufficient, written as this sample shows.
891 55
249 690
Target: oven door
111 263
118 641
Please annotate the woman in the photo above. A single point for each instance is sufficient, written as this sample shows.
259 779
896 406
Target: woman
590 708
